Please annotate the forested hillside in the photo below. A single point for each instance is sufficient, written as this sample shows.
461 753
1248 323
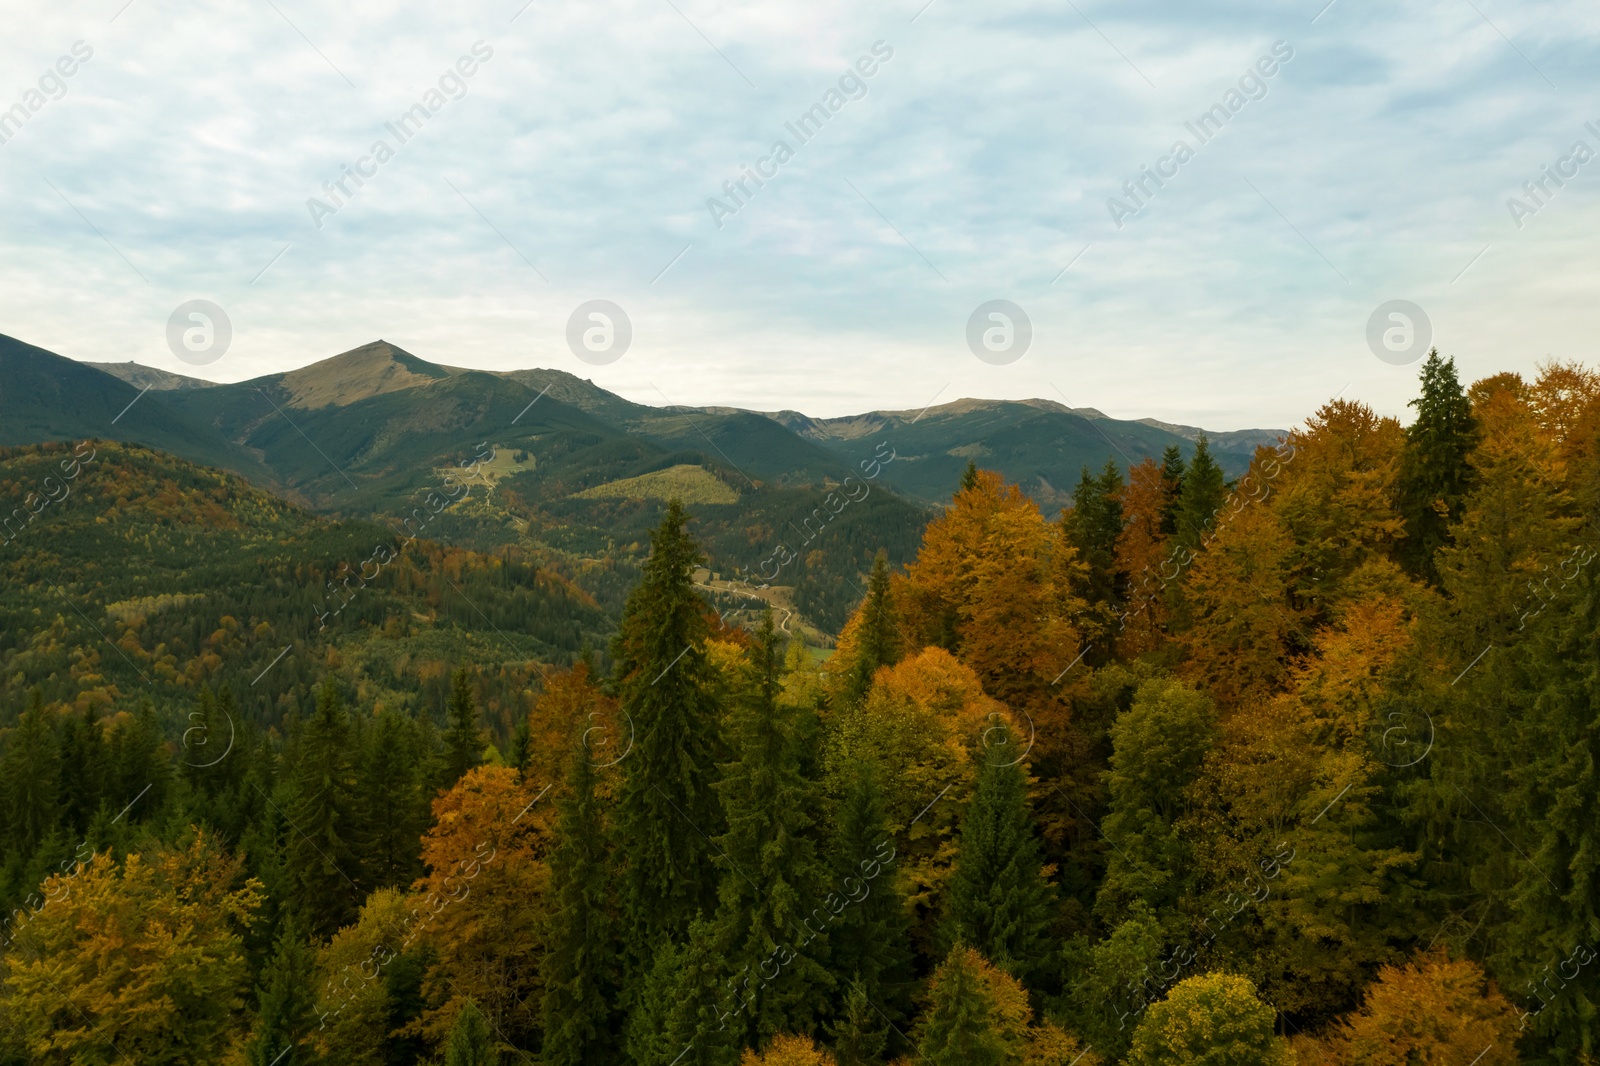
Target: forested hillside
1297 768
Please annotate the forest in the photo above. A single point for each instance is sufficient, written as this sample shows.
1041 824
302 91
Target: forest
1295 768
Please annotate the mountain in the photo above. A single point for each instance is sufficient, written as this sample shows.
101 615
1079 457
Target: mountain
140 376
559 467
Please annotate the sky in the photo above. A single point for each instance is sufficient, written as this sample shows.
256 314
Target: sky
989 156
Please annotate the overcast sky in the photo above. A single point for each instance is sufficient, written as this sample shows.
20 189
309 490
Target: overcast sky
976 163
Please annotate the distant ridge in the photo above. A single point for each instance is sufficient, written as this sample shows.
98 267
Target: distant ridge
140 377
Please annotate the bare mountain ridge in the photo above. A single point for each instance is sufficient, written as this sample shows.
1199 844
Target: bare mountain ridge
379 367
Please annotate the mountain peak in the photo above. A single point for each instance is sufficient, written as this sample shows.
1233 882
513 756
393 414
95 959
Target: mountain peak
370 370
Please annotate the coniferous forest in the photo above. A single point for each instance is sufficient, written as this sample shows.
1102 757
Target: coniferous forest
1301 766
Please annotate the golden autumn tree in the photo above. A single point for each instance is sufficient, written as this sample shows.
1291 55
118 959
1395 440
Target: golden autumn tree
920 726
1142 554
1335 494
1242 626
141 960
482 903
788 1050
1432 1010
1284 816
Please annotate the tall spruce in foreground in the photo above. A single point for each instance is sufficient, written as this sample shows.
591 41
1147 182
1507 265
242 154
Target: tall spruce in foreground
961 1026
667 812
463 740
999 901
284 1027
870 938
580 968
394 806
1201 496
771 875
879 636
320 847
1434 473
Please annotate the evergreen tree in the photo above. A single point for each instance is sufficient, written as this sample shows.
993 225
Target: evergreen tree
860 1034
320 851
1201 496
870 938
580 967
772 876
1172 474
1092 526
879 636
686 1016
287 997
393 809
969 477
960 1027
463 740
668 812
83 771
1000 902
31 770
471 1043
1434 473
1158 746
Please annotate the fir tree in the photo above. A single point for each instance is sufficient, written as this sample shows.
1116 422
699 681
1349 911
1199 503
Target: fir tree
320 851
960 1027
1092 526
999 901
879 636
463 740
31 768
393 810
686 1016
1434 473
1201 496
860 1034
969 477
580 967
285 1022
1172 474
870 938
471 1043
668 812
772 875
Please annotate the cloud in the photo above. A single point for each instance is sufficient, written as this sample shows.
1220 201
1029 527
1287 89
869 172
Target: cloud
977 166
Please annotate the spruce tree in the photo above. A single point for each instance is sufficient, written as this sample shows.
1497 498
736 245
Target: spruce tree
960 1027
1093 525
860 1034
393 808
668 812
1434 473
688 1015
580 968
463 740
772 877
969 477
286 1018
320 850
1203 493
31 769
870 938
1000 902
471 1043
1172 474
879 635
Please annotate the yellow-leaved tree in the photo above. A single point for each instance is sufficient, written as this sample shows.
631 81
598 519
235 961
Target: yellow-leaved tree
139 961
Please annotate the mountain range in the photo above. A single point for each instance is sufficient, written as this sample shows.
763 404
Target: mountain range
561 465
